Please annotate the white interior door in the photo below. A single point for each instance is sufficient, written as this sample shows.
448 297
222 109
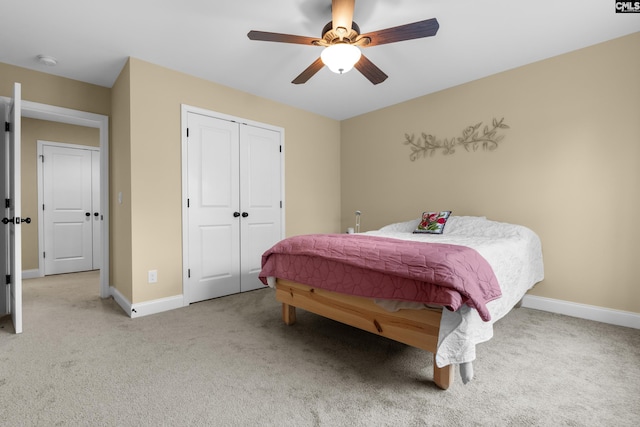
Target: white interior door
213 200
260 199
5 306
11 233
68 209
96 213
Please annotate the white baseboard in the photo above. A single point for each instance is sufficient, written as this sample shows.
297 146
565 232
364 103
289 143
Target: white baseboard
583 311
120 300
30 274
148 307
157 306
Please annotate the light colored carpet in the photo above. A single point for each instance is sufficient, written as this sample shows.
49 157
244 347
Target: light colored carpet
232 362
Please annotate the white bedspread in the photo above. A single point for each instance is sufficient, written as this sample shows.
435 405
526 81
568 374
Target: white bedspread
515 254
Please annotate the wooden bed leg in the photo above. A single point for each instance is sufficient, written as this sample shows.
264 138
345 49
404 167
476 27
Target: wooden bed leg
443 377
288 314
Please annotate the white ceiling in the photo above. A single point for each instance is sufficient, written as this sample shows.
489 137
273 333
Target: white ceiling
208 38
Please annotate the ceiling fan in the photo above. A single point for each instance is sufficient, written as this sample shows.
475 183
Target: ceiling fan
341 39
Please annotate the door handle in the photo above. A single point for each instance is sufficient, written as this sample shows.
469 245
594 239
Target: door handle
245 214
236 214
87 213
17 220
96 214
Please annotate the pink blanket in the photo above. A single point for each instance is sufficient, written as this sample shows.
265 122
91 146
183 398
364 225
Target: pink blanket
380 267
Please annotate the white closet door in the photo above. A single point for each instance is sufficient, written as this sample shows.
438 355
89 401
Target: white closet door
213 193
260 196
68 214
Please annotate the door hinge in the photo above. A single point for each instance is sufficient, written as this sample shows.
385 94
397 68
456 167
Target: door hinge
42 158
188 273
7 203
187 132
280 204
7 127
188 203
8 279
43 206
281 148
44 254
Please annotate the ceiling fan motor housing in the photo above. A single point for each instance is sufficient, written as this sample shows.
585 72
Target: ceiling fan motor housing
331 36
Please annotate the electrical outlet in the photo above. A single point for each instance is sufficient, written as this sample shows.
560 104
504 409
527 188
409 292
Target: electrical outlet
153 276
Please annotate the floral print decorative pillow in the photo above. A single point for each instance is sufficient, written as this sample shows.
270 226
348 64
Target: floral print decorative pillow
433 222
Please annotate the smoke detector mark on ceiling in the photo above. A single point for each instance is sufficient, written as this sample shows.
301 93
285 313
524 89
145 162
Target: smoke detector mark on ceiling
47 60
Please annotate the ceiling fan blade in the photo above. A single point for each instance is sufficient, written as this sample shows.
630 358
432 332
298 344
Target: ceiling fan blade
342 13
309 72
278 37
370 70
416 30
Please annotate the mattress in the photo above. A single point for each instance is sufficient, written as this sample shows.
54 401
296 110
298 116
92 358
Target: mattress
515 255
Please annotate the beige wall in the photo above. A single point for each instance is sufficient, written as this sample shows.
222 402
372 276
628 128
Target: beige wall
120 182
154 98
53 90
569 166
32 131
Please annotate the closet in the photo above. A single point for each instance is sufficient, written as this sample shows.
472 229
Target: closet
233 203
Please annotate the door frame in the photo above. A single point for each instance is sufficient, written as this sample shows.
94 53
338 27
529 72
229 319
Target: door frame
40 171
185 110
52 113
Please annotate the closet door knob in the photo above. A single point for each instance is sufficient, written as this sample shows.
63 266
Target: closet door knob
96 214
245 214
236 214
87 213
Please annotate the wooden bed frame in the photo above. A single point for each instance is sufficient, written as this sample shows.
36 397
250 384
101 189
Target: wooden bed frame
417 328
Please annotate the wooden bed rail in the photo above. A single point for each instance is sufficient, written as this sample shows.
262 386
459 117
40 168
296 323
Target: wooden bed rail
417 328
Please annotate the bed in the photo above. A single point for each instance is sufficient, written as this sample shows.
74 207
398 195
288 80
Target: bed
438 292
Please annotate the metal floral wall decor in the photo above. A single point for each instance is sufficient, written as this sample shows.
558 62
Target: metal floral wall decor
472 139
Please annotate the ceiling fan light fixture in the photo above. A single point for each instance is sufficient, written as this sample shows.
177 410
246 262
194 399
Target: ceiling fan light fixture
340 57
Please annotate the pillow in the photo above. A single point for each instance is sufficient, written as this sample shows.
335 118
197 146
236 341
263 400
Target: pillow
433 222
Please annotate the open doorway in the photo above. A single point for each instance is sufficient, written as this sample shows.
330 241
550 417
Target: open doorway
90 120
